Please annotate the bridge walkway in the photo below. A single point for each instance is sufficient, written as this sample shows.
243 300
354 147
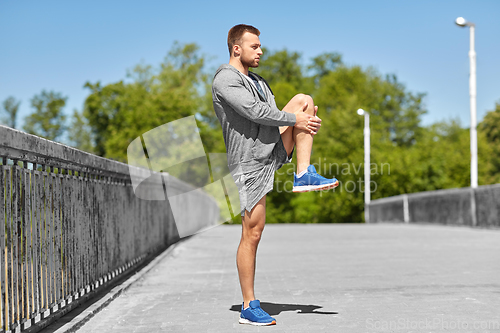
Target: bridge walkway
321 278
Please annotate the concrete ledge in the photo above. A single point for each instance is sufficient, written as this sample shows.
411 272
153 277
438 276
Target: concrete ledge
463 206
488 206
23 146
391 210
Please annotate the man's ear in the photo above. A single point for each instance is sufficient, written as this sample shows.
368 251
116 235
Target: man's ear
236 50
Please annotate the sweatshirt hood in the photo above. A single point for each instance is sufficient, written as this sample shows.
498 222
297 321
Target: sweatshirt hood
226 67
232 68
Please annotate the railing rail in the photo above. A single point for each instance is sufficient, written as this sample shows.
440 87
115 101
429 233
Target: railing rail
71 223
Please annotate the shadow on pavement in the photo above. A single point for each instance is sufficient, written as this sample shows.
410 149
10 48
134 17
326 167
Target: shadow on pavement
276 308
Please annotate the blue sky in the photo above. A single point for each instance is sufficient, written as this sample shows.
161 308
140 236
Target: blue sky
60 45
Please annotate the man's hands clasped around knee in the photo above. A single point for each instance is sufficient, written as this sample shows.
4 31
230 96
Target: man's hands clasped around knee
306 121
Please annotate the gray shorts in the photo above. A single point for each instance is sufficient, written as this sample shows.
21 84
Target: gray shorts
255 184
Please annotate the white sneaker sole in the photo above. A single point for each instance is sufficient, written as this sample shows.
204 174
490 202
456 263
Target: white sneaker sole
248 322
309 188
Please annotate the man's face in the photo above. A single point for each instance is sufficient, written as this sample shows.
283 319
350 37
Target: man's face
250 50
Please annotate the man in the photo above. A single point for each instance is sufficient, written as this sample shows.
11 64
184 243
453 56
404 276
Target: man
259 139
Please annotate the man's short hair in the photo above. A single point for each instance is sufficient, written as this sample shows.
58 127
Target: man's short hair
236 33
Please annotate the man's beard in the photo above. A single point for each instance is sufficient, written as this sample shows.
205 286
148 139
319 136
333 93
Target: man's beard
253 64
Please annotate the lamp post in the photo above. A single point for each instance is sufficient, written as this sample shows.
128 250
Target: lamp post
366 134
461 22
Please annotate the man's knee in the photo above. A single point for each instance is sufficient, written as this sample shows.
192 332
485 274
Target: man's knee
253 235
303 99
256 235
297 103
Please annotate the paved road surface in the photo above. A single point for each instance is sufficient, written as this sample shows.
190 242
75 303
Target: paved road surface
322 278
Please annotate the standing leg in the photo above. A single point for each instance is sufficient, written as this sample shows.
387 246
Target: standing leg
252 226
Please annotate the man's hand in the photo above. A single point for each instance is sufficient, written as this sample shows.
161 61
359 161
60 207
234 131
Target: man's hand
306 121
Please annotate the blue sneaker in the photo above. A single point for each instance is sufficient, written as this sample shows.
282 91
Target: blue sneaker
254 315
311 181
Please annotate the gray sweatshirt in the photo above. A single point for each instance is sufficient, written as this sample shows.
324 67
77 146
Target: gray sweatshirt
250 122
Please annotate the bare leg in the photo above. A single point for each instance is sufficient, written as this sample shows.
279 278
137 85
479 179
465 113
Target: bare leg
292 136
252 227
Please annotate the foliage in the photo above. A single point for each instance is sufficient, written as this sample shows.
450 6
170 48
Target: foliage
339 91
490 129
283 70
47 119
10 106
79 133
120 112
406 157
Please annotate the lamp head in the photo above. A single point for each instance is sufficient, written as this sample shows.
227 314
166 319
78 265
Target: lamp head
361 112
460 21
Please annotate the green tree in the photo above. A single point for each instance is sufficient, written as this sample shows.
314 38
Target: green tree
10 106
406 156
394 122
324 64
79 133
119 112
47 119
490 128
339 91
284 71
435 161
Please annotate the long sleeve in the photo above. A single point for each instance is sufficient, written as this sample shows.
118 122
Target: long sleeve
231 88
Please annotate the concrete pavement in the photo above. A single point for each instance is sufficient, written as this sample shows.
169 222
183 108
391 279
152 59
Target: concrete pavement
321 278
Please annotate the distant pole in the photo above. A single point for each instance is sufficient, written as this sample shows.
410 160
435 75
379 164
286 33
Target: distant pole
473 120
366 134
472 91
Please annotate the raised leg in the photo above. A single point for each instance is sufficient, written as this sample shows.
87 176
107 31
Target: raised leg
301 139
252 226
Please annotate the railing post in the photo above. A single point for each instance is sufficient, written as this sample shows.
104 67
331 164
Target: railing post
4 320
473 207
367 212
406 209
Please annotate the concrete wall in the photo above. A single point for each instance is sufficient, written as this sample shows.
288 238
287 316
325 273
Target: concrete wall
390 211
488 206
464 206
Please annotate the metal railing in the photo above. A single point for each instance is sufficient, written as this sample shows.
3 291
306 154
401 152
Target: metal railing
71 223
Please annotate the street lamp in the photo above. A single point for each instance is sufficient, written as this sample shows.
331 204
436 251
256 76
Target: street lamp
366 134
461 22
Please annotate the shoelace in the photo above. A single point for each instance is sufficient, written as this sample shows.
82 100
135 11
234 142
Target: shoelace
315 175
258 312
